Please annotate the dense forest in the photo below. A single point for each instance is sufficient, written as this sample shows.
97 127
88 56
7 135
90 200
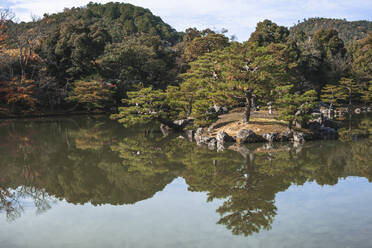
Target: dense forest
347 31
121 59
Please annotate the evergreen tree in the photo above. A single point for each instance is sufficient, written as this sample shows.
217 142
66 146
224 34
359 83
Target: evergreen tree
144 106
91 94
332 94
293 106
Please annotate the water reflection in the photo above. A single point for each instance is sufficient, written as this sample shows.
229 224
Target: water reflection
92 160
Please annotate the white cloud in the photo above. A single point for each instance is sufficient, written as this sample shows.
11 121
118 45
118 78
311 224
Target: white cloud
239 16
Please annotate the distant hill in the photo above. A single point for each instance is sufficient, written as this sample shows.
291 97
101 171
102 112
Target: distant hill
119 19
348 31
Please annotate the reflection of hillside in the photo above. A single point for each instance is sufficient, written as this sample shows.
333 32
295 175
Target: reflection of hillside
102 163
67 163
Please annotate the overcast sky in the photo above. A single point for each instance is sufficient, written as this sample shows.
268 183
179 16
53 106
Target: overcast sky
238 16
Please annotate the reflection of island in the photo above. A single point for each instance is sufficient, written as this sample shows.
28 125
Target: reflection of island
101 163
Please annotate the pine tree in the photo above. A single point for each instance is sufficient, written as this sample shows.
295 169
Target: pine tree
293 106
350 89
144 106
331 94
91 94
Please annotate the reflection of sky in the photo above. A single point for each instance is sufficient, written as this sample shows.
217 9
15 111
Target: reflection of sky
238 16
308 216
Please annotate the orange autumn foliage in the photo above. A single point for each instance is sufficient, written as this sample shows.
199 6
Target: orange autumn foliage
18 91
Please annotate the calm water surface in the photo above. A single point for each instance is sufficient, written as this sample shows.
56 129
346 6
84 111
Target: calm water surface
88 182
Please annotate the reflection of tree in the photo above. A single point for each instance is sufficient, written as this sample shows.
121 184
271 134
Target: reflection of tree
9 203
44 161
248 196
248 186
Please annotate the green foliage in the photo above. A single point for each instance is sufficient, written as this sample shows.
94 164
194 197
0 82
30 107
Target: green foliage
239 74
367 93
132 49
362 59
349 31
350 89
332 94
203 44
139 60
323 59
328 42
144 106
294 106
268 32
91 94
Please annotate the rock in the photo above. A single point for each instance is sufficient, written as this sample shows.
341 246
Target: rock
271 137
298 137
220 147
369 109
181 123
357 111
317 117
331 124
285 136
327 133
198 134
248 136
314 126
181 137
200 138
165 129
223 137
217 110
224 110
212 144
190 135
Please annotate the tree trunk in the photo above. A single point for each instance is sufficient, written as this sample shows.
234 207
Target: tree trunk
290 123
189 110
248 106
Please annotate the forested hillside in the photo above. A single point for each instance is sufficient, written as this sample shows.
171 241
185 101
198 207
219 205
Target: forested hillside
119 58
348 31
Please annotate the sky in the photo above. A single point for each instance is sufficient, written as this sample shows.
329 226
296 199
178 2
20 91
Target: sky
238 16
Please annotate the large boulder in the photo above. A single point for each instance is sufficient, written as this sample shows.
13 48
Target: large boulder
218 110
198 134
298 137
271 137
182 123
331 124
285 136
222 138
248 136
212 144
200 138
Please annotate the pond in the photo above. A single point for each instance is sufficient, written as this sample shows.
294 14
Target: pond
89 182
